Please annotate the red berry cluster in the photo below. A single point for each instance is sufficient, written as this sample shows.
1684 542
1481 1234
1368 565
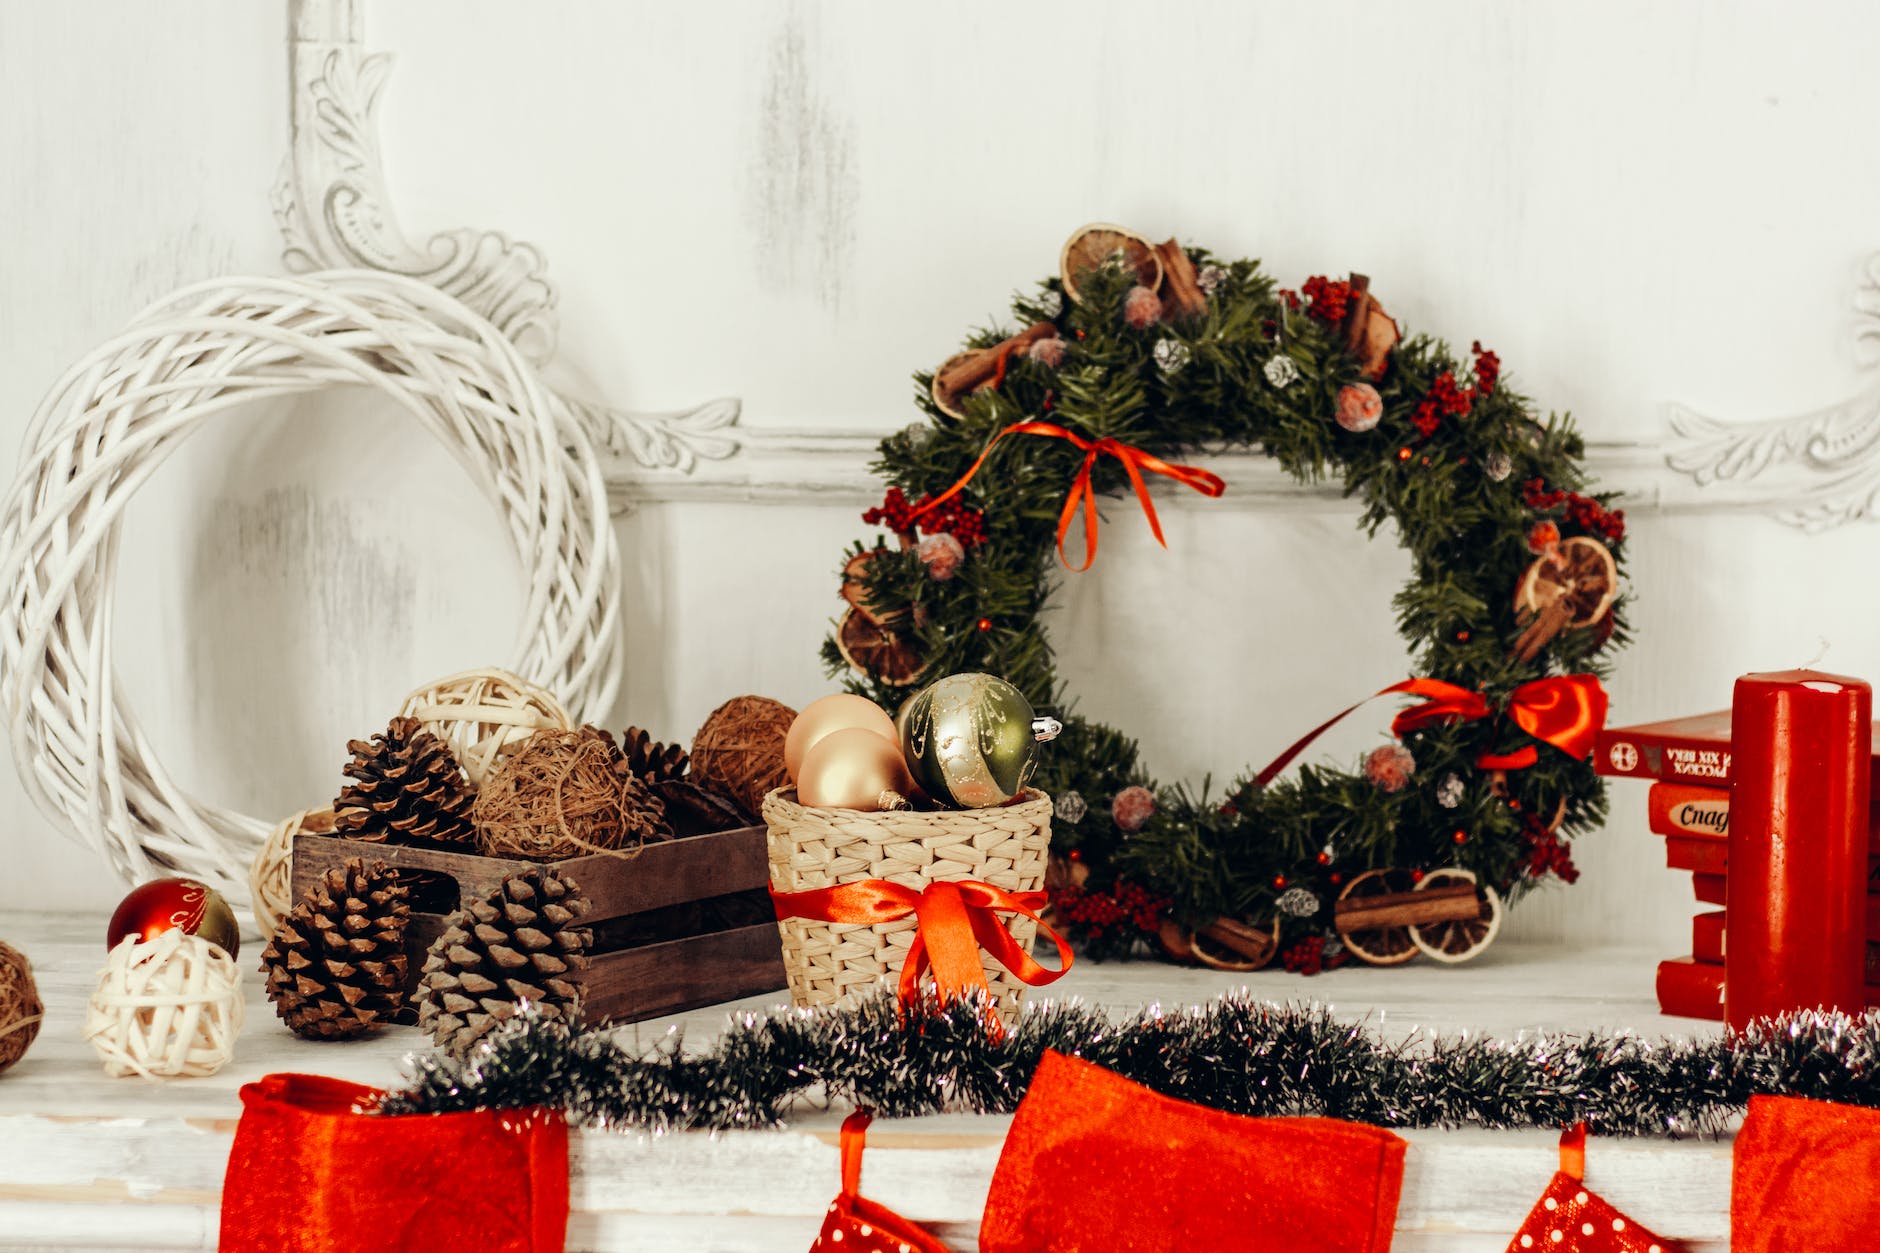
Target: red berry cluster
1444 400
1331 299
1582 511
1290 296
1306 956
1487 369
954 517
1547 853
1125 906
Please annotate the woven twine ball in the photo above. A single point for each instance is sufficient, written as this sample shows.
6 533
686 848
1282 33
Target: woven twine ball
166 1008
271 875
20 1007
740 748
483 714
557 795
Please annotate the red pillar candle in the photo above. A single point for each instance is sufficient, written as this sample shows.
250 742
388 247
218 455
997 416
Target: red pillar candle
1795 931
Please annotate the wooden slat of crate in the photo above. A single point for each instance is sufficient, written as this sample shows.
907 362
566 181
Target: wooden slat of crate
626 985
656 979
670 872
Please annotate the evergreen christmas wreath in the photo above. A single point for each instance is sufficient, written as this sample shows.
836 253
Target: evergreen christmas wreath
1137 355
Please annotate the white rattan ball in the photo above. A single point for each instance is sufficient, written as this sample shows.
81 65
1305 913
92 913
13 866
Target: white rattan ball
481 714
166 1008
271 874
201 356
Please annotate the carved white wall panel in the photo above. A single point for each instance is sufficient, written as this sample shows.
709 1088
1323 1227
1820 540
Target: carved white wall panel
1813 470
333 206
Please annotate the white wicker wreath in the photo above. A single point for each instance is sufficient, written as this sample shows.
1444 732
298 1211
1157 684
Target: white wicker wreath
203 354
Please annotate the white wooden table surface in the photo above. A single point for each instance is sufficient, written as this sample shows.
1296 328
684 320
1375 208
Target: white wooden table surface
89 1162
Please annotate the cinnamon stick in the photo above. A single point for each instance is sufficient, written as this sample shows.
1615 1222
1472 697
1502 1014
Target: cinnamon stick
970 370
1181 293
1452 903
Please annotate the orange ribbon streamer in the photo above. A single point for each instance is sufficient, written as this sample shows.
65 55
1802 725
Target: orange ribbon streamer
957 920
1566 711
1082 495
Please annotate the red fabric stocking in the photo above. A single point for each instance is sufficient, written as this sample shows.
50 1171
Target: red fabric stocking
308 1175
856 1224
1570 1219
1095 1162
1806 1175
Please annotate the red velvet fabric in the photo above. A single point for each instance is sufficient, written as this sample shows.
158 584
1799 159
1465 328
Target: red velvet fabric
856 1224
1097 1163
1571 1219
1806 1175
308 1175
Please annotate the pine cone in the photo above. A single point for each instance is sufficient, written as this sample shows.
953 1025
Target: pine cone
651 761
336 965
407 789
642 812
694 809
517 944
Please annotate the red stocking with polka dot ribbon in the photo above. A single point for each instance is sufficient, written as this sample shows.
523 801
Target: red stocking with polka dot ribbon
1570 1219
856 1224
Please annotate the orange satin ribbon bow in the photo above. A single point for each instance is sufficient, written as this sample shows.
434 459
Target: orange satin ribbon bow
1082 495
956 921
1566 711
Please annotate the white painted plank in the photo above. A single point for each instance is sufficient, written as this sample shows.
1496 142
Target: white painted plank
84 1157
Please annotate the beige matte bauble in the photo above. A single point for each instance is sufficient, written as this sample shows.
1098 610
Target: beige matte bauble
853 768
832 713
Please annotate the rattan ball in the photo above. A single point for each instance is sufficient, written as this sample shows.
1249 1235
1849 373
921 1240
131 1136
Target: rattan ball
740 748
166 1008
557 795
20 1007
271 875
483 715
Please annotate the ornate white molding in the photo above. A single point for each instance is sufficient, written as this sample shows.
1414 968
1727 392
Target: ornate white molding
1814 470
830 466
333 207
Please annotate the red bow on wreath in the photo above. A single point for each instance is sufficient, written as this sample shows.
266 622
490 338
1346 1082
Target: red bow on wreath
956 920
1082 495
1566 711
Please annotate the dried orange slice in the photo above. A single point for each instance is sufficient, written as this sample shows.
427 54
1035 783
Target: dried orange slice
1459 940
879 652
1377 946
945 398
1229 944
1090 247
857 595
1583 579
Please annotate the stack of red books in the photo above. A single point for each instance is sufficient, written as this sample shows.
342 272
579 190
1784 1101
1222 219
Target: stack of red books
1689 805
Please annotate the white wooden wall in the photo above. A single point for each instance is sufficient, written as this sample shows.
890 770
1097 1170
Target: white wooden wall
800 203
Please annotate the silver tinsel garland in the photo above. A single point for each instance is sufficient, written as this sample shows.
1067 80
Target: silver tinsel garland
1236 1053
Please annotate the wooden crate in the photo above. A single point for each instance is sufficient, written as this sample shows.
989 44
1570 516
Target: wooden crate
685 923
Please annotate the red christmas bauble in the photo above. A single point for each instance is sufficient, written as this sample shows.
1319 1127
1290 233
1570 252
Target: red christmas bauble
172 904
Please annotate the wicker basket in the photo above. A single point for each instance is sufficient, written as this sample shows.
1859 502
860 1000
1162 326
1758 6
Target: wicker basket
1005 846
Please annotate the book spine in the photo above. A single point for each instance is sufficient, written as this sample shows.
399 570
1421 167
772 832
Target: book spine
1622 754
1688 809
1709 888
1699 854
1707 937
1690 989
